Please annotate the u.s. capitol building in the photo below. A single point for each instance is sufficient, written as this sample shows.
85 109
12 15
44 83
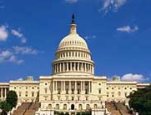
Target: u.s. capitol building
73 86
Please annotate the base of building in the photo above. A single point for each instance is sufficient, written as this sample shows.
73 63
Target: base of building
72 112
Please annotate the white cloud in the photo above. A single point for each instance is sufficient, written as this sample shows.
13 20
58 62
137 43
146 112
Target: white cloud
25 50
8 56
71 1
19 35
112 5
3 33
11 55
133 77
128 29
90 37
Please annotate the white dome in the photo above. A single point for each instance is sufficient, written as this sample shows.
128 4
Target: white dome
73 55
73 40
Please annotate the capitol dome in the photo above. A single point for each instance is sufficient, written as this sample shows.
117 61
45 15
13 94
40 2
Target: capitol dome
73 55
73 40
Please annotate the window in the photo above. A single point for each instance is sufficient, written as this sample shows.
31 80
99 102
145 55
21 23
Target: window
19 94
78 91
119 93
45 90
32 94
72 98
66 91
58 97
99 91
86 97
86 91
26 94
59 91
66 97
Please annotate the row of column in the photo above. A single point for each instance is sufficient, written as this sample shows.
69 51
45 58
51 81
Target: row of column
3 92
73 66
73 54
82 86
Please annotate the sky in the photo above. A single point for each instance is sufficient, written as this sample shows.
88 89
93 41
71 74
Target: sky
118 33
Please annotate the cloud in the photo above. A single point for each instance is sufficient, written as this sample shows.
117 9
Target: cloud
6 31
11 55
3 33
133 77
8 56
71 1
18 35
25 50
90 37
112 5
128 29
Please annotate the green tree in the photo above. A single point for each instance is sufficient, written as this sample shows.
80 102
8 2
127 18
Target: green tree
140 101
6 107
12 98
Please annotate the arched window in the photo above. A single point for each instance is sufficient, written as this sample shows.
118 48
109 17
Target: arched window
80 106
49 106
65 106
57 106
95 106
87 106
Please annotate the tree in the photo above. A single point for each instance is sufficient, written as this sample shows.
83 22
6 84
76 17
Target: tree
12 98
6 107
140 101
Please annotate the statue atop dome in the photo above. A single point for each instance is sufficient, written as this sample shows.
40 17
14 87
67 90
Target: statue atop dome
73 19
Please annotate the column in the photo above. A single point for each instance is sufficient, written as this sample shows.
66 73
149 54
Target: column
67 64
64 85
1 92
69 87
85 67
71 69
56 85
75 87
77 66
81 86
53 86
60 67
63 67
89 86
74 67
5 92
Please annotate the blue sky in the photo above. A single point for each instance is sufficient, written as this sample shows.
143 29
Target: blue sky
118 33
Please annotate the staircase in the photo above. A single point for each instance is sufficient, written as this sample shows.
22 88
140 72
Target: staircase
123 109
117 108
112 108
27 109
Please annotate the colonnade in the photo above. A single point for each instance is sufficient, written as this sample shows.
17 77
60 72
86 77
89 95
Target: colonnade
73 54
3 92
72 87
73 67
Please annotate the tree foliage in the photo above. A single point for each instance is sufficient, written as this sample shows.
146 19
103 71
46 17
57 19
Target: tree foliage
140 101
5 106
12 98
